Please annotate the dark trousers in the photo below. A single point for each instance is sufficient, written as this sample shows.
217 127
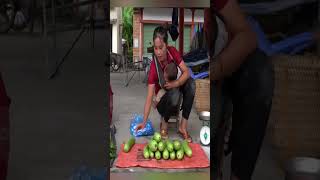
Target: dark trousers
169 104
249 91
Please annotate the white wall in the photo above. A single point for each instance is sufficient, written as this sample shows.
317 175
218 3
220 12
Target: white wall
113 13
116 15
115 39
165 14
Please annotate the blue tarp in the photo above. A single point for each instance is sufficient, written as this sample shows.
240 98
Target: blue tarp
201 75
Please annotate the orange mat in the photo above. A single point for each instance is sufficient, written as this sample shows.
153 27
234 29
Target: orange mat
135 159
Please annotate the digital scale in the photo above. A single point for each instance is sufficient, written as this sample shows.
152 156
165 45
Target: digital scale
204 116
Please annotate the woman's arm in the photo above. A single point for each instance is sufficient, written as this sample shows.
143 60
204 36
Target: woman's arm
243 42
185 73
147 106
148 103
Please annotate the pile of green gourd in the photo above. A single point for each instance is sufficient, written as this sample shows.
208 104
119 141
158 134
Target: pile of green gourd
165 149
127 146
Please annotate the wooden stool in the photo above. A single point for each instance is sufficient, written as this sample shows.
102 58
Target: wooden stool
175 119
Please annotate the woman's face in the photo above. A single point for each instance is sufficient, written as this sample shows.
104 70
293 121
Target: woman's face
160 49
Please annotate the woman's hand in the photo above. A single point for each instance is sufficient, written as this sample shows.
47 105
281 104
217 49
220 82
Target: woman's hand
140 126
172 84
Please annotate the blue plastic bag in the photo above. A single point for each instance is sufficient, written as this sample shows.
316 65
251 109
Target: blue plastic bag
147 131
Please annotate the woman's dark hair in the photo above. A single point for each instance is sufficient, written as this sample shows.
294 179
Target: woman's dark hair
161 32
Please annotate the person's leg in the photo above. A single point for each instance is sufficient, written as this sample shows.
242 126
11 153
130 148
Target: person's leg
188 91
166 106
252 91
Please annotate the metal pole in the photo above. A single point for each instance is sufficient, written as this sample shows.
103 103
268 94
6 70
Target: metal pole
139 66
192 25
125 60
68 52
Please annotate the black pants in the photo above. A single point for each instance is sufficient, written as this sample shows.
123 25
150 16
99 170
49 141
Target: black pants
169 104
249 91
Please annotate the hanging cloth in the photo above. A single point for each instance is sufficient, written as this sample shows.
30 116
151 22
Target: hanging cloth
173 29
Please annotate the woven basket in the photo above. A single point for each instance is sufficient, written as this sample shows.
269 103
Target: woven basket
202 95
294 124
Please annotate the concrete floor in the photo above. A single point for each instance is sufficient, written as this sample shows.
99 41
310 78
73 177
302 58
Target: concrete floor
56 125
130 100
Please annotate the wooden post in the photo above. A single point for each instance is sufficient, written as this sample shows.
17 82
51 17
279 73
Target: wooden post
192 25
141 34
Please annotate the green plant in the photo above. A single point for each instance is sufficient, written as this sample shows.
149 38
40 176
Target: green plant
127 27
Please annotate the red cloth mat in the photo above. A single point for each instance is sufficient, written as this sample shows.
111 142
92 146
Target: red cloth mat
135 159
